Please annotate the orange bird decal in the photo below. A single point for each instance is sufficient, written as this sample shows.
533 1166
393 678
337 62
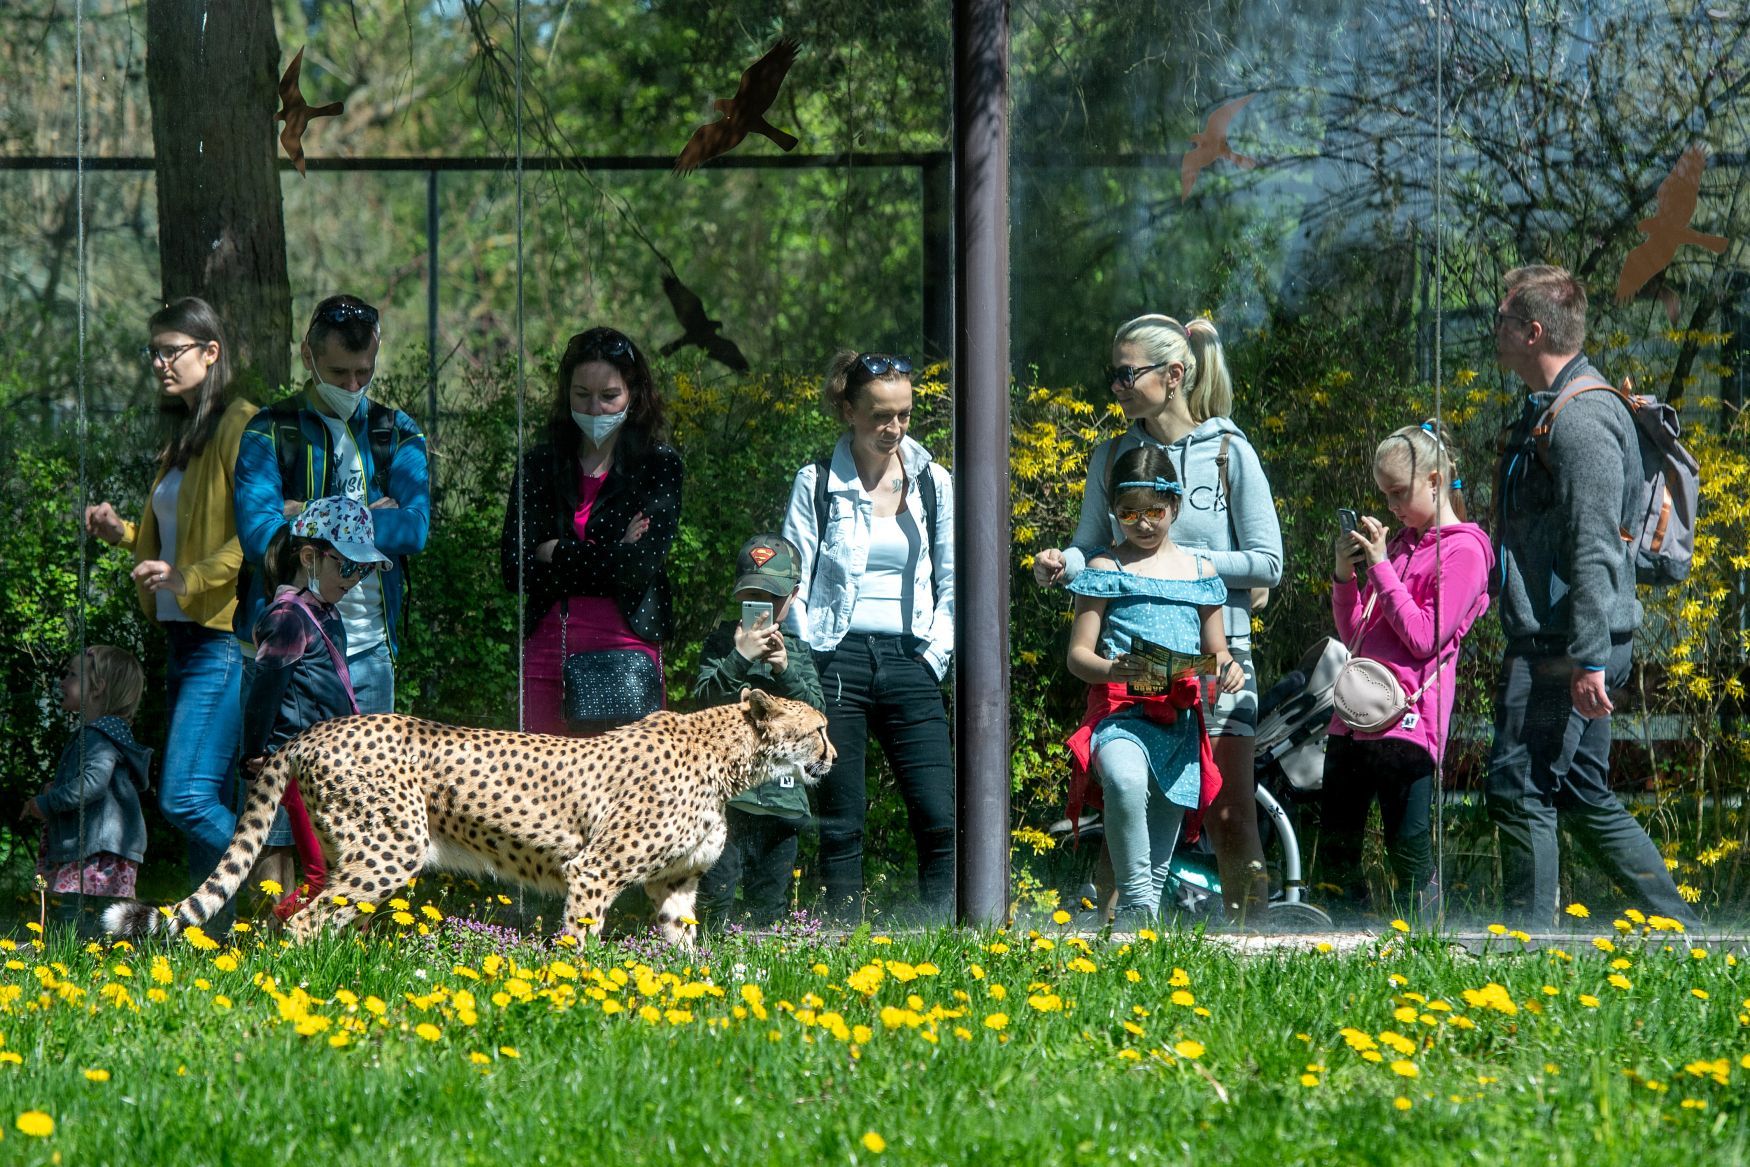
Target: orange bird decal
296 112
1669 229
745 113
1211 146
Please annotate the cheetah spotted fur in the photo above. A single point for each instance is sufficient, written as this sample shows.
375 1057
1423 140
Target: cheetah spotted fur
390 795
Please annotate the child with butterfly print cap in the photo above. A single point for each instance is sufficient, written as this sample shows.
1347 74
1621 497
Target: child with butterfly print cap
301 675
1150 749
763 822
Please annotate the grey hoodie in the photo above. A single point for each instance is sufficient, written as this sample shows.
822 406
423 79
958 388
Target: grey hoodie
1241 535
1563 572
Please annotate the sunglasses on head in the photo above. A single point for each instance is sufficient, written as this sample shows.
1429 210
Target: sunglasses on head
349 568
1126 375
1130 516
345 312
609 346
881 364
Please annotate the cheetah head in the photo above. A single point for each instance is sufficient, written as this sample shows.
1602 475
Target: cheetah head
791 733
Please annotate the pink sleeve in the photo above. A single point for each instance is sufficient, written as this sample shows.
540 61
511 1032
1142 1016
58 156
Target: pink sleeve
1346 607
1466 572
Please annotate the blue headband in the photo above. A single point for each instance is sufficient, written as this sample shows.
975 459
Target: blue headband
1158 485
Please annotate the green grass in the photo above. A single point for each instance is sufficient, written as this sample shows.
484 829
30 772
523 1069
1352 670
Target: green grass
1252 1065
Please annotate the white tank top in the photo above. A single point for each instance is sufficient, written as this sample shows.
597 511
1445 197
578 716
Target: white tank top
884 592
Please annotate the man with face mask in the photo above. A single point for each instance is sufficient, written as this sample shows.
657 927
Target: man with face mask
331 439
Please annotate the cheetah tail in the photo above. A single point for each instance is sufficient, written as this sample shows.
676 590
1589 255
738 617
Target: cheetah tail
135 919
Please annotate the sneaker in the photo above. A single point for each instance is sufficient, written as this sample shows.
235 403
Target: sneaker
1133 918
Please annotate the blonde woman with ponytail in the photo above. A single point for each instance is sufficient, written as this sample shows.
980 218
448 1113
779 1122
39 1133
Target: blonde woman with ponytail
1172 382
1423 589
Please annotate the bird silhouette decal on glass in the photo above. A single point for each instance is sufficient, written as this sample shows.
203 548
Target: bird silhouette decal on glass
1668 230
296 112
1211 146
745 113
697 327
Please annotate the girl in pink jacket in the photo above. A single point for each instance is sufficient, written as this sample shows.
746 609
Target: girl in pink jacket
1406 602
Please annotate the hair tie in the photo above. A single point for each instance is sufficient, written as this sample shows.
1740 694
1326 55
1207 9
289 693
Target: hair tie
1458 484
1158 485
1428 428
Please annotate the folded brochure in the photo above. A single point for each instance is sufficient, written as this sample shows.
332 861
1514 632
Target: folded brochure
1166 665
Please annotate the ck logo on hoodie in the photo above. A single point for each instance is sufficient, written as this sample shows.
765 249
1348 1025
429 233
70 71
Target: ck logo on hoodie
1206 498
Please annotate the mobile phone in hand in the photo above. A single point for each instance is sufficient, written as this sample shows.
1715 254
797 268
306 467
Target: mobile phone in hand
752 610
1346 520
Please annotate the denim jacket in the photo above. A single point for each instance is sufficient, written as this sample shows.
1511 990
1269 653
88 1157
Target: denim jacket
106 779
833 561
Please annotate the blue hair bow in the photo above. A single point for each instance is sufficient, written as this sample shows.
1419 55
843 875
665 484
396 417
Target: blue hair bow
1158 485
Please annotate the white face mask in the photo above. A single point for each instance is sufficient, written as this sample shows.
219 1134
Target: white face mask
598 428
342 402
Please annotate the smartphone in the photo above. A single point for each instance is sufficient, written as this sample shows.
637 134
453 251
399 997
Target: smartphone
752 610
1346 519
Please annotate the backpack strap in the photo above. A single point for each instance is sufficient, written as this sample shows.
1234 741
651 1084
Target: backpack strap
1221 460
927 491
1540 430
291 450
384 438
822 499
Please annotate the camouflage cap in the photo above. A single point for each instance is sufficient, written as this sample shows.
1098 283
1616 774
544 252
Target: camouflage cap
768 563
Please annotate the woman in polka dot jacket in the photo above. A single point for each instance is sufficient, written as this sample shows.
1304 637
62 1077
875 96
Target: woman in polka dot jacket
591 516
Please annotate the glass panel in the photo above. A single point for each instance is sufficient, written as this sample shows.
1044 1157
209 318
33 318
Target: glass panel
1341 189
488 191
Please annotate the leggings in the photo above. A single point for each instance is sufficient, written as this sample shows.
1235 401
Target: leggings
1142 825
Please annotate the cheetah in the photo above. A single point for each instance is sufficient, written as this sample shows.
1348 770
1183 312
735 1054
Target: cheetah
390 795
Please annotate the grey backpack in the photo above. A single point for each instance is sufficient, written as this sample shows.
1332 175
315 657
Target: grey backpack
1668 486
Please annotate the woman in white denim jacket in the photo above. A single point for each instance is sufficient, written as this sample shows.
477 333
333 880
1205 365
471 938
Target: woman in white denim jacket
876 606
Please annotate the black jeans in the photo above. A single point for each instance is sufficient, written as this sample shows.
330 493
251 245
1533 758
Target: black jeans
760 854
1400 775
1547 758
878 685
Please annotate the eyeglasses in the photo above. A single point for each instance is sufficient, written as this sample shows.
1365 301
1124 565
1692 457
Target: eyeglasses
881 364
1126 375
156 355
1130 518
350 568
1500 316
345 312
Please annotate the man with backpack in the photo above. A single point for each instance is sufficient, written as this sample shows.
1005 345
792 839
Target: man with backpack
1568 514
331 439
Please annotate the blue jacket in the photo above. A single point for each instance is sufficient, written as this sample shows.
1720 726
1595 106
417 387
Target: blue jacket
261 498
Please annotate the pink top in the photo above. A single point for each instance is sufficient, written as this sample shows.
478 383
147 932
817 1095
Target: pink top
1401 631
582 623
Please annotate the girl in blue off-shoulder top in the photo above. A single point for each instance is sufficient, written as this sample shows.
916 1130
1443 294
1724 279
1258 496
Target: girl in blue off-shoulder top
1149 749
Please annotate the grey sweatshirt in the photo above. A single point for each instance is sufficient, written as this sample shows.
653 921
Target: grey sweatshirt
1563 571
1241 535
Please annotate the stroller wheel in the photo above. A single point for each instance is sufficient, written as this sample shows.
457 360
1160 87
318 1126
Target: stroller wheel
1296 917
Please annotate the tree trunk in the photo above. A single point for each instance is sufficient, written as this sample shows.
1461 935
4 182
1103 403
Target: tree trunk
212 71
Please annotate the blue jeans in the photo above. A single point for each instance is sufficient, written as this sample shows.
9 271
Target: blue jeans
196 792
373 679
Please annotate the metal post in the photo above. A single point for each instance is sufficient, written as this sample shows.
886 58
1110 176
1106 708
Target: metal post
431 307
981 457
936 191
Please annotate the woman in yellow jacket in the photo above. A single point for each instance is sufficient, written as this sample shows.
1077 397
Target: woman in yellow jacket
186 558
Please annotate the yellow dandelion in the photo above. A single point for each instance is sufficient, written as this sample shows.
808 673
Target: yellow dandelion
36 1124
997 1021
340 1040
1400 925
1401 1103
874 1142
1309 1080
1060 917
508 1051
363 907
97 1075
428 1031
1578 911
1188 1049
1404 1068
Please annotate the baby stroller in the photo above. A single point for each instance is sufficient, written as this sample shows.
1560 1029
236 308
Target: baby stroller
1289 764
